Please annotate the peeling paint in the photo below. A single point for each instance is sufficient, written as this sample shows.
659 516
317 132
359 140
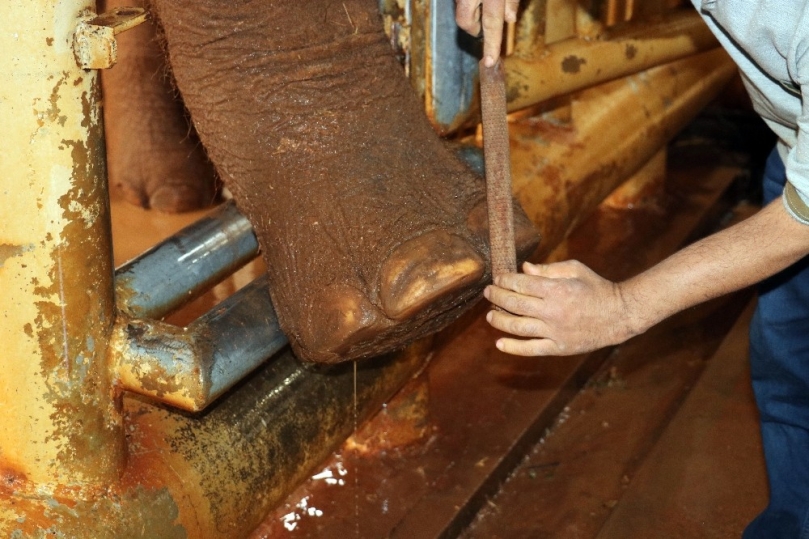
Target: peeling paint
11 251
137 513
63 428
587 62
572 64
52 114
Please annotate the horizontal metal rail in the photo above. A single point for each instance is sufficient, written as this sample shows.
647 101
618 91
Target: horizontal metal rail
181 268
581 62
190 367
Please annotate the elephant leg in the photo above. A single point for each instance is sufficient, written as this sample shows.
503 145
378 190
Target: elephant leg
373 232
154 157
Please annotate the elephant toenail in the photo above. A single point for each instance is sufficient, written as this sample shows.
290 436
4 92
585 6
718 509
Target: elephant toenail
425 269
342 317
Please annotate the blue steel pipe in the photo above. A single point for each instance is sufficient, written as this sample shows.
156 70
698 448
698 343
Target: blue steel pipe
181 268
246 333
190 367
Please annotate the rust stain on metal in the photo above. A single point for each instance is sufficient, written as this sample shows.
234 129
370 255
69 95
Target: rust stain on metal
85 421
273 446
11 479
121 18
617 53
168 374
52 114
9 251
573 63
137 513
162 361
573 182
515 91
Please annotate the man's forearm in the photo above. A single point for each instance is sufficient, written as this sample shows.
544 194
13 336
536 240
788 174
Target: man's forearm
565 308
729 260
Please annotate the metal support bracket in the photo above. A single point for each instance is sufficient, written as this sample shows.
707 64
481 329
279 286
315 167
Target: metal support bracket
94 41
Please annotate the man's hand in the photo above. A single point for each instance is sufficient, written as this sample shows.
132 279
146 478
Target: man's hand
472 15
563 309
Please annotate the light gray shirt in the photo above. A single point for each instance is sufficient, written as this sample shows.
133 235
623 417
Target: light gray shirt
769 40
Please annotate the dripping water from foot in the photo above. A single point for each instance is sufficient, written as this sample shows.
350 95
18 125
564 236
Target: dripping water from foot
356 464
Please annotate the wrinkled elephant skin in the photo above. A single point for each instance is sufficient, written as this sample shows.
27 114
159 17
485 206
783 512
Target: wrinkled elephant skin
364 217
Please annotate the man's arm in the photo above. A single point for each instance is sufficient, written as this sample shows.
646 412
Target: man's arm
488 15
565 308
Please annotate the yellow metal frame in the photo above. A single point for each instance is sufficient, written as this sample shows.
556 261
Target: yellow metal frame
62 426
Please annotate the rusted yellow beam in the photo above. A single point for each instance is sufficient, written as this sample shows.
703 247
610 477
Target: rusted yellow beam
577 63
561 172
61 425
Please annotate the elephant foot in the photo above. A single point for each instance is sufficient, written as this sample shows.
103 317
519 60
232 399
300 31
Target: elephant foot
371 228
154 158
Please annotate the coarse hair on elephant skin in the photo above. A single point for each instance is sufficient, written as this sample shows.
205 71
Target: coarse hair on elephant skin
373 232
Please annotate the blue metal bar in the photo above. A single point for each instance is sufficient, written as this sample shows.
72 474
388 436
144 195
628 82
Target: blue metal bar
185 265
189 368
243 331
454 68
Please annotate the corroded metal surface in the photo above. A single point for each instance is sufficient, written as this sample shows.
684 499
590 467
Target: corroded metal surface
443 67
577 63
191 367
61 425
403 421
94 39
616 128
643 187
215 475
121 18
228 467
530 28
171 365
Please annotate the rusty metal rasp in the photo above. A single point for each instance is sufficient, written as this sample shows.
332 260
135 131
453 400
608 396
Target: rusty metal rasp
498 169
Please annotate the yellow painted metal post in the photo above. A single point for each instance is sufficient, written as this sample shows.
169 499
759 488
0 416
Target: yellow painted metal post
60 421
